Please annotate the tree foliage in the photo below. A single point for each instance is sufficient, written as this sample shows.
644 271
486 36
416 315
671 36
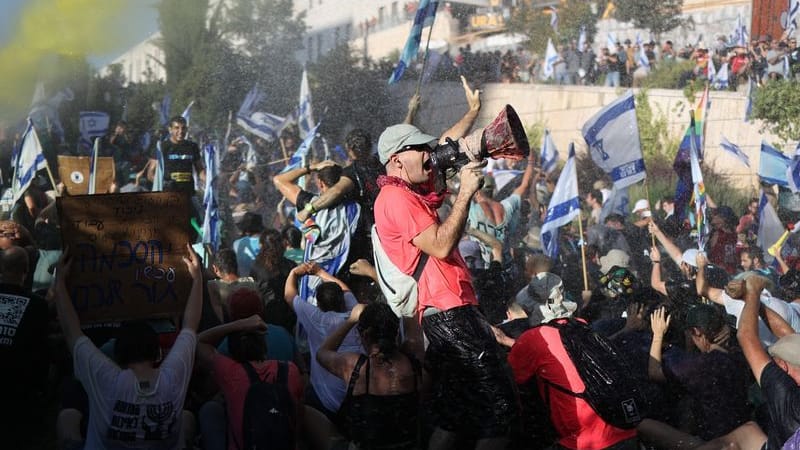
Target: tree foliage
777 104
534 22
656 16
349 95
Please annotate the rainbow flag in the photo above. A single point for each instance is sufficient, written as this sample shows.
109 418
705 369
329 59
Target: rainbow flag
682 165
699 189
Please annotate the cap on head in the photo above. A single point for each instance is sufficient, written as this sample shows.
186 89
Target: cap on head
614 257
641 205
690 257
396 137
787 348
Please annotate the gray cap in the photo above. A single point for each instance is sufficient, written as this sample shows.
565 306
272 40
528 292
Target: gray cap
788 349
394 138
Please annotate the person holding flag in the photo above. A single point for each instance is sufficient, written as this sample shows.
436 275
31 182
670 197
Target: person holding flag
181 156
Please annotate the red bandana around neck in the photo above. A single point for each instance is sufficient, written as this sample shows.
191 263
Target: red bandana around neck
426 192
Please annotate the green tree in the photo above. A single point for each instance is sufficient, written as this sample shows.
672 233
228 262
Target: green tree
268 34
534 22
348 94
777 104
183 33
656 16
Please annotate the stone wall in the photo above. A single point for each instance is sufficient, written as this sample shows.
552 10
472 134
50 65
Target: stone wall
564 110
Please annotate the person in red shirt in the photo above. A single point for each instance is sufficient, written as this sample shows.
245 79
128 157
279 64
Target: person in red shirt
473 392
540 354
721 246
247 346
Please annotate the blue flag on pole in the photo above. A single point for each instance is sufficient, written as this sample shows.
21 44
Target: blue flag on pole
549 153
793 172
93 167
302 150
770 227
550 58
565 205
613 139
158 178
92 124
734 150
264 125
28 160
211 218
187 114
426 13
773 165
163 110
305 114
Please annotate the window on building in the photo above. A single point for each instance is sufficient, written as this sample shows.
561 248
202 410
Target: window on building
381 14
319 45
310 48
394 12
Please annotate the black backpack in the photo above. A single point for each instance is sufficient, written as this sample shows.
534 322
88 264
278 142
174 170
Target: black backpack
267 420
611 389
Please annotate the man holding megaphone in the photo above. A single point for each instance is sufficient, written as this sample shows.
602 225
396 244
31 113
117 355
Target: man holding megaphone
473 388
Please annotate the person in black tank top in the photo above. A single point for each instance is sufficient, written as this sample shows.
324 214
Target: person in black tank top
382 403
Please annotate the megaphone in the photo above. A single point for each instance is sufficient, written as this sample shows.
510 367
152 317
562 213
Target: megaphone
503 138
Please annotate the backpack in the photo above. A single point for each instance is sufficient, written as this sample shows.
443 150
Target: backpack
399 288
611 389
267 420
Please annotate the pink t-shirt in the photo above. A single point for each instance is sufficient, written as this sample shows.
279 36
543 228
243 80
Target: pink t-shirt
399 217
231 377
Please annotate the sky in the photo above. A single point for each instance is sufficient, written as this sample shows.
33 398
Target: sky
139 23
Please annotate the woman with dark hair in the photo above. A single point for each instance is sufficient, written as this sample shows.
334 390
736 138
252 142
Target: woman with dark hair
270 270
382 402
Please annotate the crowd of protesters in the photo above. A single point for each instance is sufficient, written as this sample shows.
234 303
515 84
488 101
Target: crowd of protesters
628 63
287 337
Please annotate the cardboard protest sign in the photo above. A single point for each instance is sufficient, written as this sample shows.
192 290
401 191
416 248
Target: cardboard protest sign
127 254
74 173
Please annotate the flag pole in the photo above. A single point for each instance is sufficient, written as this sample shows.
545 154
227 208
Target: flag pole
228 131
50 175
425 56
649 203
583 252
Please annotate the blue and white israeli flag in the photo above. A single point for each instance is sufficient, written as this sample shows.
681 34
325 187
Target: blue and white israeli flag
92 124
565 205
734 150
613 139
773 165
426 13
549 154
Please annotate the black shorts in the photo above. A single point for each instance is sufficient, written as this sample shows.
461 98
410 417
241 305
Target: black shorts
473 392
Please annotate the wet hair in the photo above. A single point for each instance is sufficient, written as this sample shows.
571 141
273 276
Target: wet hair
378 325
14 263
225 260
597 195
177 119
359 142
247 346
754 252
136 342
330 297
330 175
272 249
292 235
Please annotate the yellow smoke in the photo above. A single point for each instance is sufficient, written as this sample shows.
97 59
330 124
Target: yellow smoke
54 27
